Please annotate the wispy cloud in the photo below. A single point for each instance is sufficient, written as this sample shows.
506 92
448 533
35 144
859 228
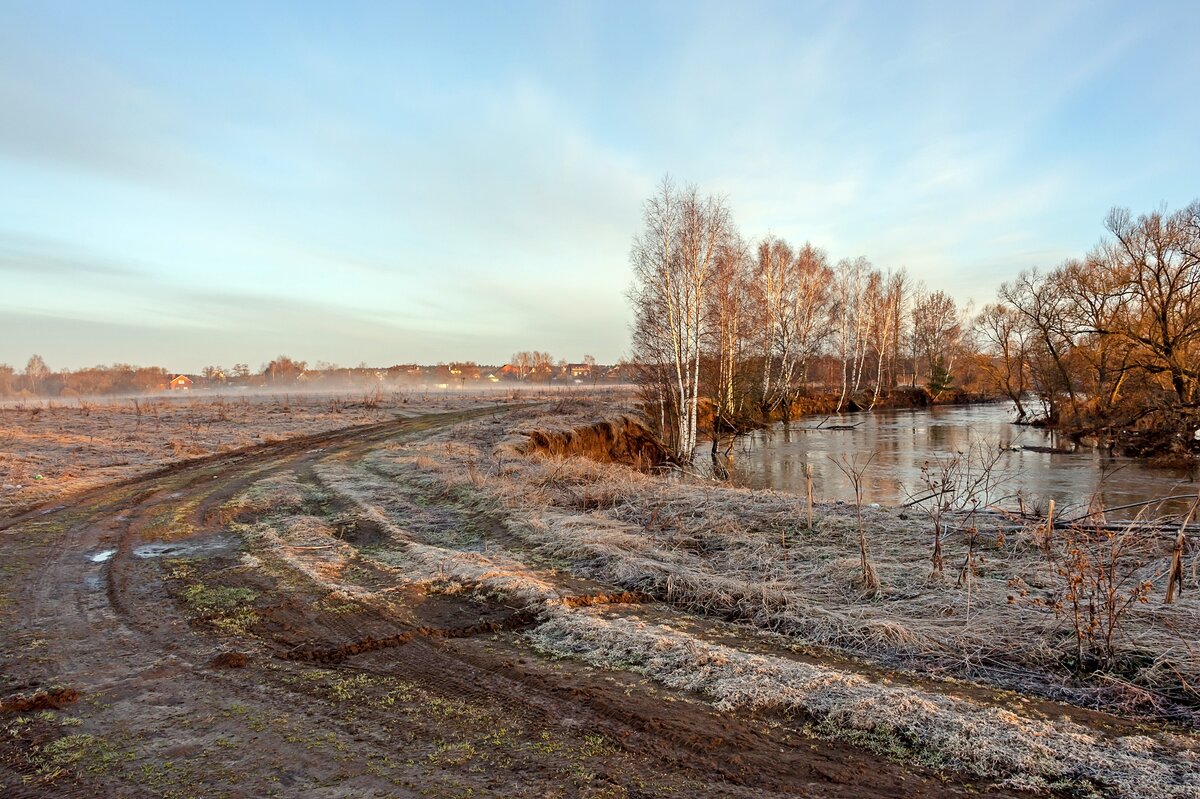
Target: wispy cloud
33 256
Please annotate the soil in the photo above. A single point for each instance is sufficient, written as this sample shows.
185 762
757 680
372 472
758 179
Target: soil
185 662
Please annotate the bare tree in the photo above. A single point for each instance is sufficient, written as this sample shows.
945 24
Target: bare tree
886 301
729 317
36 373
1039 299
541 363
283 369
770 288
1159 254
1005 337
674 259
520 362
937 331
805 326
850 321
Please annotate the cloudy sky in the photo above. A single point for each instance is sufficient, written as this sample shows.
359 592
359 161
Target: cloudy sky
211 183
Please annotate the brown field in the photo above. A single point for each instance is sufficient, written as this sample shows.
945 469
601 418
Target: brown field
473 599
52 447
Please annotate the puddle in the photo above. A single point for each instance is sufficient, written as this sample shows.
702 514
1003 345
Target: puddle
179 549
102 556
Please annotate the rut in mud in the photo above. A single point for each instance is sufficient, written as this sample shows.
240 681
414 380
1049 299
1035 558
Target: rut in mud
262 625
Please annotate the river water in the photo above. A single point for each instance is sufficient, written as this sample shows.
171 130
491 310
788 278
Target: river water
899 442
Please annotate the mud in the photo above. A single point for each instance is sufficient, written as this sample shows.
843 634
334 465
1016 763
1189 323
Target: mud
181 549
54 699
616 598
517 621
229 660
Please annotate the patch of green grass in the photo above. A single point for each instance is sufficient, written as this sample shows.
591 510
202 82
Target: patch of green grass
452 754
883 740
597 746
179 569
350 687
226 608
74 753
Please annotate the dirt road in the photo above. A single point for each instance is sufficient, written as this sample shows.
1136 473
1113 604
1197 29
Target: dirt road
151 646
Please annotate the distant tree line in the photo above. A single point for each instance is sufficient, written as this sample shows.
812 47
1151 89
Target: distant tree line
736 332
38 380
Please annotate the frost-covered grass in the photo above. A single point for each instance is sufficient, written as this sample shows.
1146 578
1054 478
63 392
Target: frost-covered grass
749 555
746 556
930 728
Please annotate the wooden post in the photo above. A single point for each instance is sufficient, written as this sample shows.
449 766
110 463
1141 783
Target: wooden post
1049 528
808 475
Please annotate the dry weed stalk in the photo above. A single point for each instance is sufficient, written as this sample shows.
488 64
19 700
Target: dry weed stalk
960 482
1175 572
1101 578
808 484
855 469
1047 534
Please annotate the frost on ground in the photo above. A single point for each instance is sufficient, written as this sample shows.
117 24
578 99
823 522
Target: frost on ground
50 447
750 556
472 508
934 729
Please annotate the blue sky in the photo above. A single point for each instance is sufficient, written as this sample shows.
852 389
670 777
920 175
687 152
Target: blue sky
209 183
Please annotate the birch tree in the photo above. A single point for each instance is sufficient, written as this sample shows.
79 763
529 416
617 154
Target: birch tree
729 320
805 324
769 289
848 321
674 260
886 310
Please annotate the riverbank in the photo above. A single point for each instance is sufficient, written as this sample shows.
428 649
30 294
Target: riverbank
752 555
826 403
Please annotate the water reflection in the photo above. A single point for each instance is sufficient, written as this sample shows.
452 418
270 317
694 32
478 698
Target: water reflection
903 440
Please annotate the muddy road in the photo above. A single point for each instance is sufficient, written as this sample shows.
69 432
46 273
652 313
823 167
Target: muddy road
158 638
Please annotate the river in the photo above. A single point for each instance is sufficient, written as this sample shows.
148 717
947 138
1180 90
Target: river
899 442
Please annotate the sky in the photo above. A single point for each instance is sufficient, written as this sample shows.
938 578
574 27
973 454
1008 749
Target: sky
186 184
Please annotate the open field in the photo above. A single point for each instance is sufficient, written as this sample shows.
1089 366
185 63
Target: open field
51 447
459 604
